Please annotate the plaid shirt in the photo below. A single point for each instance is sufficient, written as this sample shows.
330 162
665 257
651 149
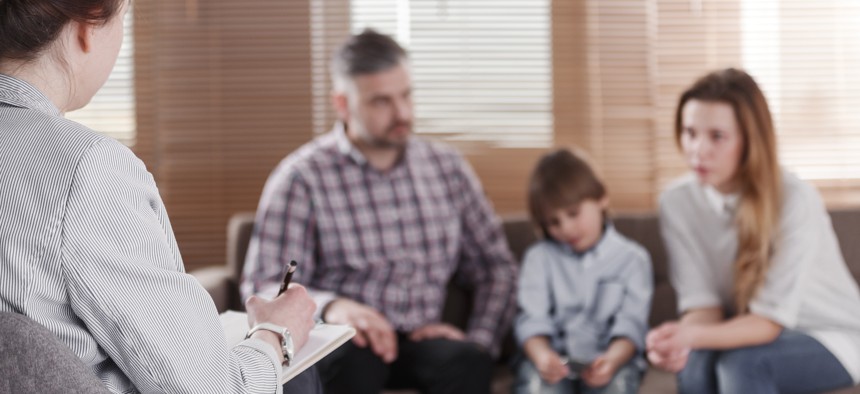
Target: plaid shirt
390 240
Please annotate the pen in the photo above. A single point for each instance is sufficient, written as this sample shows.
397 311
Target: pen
288 277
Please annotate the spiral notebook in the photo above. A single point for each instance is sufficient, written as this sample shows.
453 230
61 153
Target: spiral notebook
322 340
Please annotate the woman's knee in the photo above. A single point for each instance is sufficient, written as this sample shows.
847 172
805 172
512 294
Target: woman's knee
698 375
737 363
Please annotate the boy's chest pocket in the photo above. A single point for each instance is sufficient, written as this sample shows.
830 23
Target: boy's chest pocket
608 299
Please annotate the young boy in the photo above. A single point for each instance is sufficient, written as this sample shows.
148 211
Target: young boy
584 291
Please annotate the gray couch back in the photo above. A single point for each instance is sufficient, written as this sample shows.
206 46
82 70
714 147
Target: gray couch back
644 229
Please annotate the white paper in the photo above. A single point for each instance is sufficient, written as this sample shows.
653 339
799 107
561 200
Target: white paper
322 340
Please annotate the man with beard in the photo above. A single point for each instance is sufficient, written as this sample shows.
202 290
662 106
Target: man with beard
379 222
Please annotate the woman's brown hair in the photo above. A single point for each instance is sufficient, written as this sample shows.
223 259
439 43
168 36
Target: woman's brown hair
560 179
758 174
27 27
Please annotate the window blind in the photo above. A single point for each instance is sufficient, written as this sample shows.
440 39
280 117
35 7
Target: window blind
224 89
223 95
481 70
642 54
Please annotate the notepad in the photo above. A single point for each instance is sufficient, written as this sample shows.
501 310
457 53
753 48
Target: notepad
322 340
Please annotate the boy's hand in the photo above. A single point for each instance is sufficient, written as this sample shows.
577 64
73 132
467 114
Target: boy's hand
550 366
600 372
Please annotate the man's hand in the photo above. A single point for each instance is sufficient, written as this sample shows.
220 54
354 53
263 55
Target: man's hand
437 330
600 372
294 309
669 346
372 327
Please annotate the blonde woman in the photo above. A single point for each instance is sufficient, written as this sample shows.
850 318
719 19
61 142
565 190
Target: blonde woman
768 304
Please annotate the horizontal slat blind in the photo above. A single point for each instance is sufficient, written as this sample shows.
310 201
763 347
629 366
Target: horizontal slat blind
482 70
225 89
642 54
224 94
813 81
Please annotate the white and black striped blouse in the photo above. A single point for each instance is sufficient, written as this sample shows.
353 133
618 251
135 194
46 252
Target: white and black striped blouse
86 250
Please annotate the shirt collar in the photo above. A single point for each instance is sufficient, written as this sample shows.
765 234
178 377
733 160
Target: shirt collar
349 151
345 146
22 94
607 239
723 204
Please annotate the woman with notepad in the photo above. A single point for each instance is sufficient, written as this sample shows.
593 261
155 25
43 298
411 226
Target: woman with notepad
86 248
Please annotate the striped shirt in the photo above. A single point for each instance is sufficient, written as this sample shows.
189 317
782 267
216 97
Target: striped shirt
86 250
391 240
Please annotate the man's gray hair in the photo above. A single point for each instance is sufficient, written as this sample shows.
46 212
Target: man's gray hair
367 53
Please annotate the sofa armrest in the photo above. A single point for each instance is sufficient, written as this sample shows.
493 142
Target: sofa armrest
220 285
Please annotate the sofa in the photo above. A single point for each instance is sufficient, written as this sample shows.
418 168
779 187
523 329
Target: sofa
222 281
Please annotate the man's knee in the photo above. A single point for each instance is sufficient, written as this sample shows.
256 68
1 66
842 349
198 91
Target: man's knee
352 369
467 356
461 367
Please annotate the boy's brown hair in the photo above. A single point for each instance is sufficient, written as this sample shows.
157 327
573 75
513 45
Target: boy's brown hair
561 179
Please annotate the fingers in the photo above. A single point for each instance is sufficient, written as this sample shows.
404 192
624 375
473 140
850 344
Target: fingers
679 361
551 367
360 339
664 339
383 341
601 366
662 332
553 377
555 373
373 329
293 309
438 330
656 358
671 362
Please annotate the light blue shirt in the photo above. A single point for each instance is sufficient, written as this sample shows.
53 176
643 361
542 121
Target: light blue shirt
583 301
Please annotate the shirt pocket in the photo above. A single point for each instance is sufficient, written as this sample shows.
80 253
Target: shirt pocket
608 299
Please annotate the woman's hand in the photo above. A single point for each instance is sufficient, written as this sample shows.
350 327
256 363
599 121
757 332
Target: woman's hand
669 346
293 309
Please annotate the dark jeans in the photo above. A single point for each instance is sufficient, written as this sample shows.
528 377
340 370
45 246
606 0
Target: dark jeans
793 363
307 382
434 366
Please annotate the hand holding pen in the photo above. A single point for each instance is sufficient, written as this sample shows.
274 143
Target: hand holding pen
288 277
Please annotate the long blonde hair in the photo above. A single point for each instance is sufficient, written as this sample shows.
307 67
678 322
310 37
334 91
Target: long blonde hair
758 174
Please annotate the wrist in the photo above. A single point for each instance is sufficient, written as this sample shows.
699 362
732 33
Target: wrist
273 340
284 338
543 356
690 336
